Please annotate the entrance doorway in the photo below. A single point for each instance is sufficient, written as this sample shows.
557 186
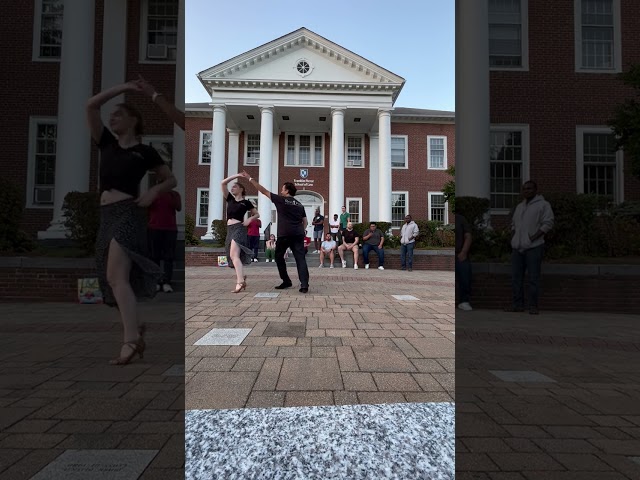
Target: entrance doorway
310 201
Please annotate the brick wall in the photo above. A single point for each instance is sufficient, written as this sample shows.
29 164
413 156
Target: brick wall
41 284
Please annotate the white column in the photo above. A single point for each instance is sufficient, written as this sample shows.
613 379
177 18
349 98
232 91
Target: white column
384 164
275 179
114 52
73 145
266 161
234 151
178 159
373 178
216 171
336 171
472 98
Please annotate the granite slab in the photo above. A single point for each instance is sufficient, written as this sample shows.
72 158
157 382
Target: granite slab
224 336
392 441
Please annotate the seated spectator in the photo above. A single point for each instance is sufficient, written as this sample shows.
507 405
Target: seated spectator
349 242
327 247
270 248
307 242
373 240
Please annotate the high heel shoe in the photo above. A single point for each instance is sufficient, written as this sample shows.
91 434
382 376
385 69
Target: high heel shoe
240 287
136 348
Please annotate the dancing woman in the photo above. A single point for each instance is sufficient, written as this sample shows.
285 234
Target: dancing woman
124 271
237 241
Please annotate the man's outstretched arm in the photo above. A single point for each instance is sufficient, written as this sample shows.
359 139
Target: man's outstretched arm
255 183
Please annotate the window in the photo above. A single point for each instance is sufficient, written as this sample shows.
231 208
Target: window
252 149
159 31
508 42
399 151
508 165
437 152
164 147
354 207
599 164
354 151
47 31
597 36
438 207
399 208
253 199
204 155
42 162
203 206
304 150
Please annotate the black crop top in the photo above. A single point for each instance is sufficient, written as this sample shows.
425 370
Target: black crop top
123 168
237 210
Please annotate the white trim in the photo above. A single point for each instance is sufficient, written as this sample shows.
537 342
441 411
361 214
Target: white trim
524 129
356 199
148 140
524 45
446 160
37 30
406 205
142 50
246 148
202 132
617 39
406 151
198 200
31 160
346 149
297 150
619 182
446 207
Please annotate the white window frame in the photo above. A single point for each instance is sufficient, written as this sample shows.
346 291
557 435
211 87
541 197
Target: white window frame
253 199
200 149
198 204
406 206
524 45
297 149
617 40
346 149
148 140
446 160
142 53
580 131
31 168
246 149
37 31
524 129
354 199
446 207
406 152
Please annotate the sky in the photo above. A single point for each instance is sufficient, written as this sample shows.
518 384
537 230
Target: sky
412 38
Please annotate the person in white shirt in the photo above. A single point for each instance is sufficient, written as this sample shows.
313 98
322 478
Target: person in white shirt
334 227
408 235
328 247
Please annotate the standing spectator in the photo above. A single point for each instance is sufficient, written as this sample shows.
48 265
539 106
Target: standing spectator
532 220
349 242
408 235
253 232
327 247
334 227
373 240
463 264
344 219
292 224
270 248
163 234
318 228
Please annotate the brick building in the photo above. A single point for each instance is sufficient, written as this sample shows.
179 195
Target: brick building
304 109
63 52
549 76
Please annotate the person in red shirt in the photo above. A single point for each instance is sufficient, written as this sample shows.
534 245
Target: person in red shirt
163 234
253 232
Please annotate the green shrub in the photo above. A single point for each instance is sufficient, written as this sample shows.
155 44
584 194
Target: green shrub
82 218
219 231
574 226
12 238
473 209
189 227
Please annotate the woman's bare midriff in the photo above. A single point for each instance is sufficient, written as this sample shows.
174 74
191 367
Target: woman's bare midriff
112 196
232 221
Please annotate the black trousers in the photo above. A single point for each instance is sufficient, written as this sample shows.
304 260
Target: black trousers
162 246
296 244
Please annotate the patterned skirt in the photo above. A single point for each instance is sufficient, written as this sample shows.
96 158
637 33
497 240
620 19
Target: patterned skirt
126 222
238 232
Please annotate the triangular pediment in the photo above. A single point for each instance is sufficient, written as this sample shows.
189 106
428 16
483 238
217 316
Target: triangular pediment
301 57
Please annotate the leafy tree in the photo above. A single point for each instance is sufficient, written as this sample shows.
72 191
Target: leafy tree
626 120
449 188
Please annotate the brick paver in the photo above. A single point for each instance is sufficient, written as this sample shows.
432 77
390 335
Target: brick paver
581 426
347 341
57 391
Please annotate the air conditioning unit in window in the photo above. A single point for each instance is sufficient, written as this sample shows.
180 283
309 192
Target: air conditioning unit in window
252 160
356 163
156 52
43 195
202 221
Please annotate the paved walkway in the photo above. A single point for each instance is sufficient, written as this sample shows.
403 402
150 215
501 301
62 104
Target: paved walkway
554 396
58 394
